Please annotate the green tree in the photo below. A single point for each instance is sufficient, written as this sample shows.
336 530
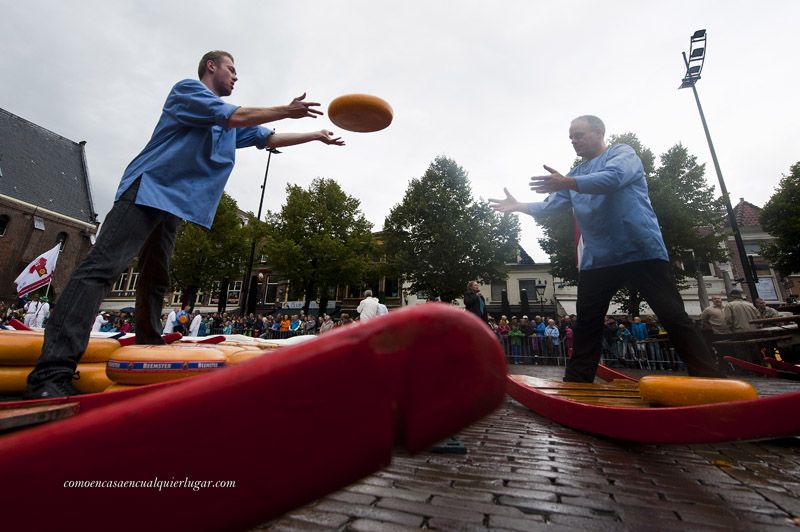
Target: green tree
780 217
439 237
202 256
692 220
320 239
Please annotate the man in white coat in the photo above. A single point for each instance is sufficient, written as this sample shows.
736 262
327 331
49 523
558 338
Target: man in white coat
194 327
42 312
31 306
99 321
368 308
169 326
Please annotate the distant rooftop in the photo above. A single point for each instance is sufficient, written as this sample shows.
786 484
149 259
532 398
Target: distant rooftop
746 214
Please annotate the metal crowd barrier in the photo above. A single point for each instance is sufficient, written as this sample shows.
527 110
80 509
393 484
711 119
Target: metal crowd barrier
269 334
653 353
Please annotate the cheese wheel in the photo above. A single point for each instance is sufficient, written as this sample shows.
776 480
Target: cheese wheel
361 113
244 355
147 364
14 380
93 378
22 348
688 391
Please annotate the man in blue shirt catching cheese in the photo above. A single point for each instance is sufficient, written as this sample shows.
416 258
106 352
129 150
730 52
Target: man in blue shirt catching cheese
609 185
179 175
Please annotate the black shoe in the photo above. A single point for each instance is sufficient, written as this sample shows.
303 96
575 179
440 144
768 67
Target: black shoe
59 386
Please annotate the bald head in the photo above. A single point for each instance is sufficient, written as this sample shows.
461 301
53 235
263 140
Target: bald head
587 134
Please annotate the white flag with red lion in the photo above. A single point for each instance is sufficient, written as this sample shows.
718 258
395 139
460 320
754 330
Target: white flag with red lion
38 273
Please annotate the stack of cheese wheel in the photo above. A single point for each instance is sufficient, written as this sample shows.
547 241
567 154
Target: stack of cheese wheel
19 351
148 364
688 391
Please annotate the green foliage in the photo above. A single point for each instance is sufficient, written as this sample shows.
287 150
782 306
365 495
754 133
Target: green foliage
692 220
559 243
439 237
202 256
320 239
780 217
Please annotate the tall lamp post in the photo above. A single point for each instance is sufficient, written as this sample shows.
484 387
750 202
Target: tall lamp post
540 288
694 65
249 284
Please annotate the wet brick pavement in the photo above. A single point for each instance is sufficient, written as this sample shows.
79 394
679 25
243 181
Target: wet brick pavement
523 472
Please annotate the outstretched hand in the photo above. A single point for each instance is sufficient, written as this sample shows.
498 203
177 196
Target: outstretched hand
509 204
302 109
328 138
545 184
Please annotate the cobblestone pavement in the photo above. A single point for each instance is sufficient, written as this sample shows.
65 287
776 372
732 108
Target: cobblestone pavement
523 472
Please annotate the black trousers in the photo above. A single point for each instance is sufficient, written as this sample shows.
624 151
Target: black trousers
652 279
128 230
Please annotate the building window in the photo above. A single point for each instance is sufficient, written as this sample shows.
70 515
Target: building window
234 290
3 224
62 238
391 287
214 298
134 281
38 223
529 285
752 248
121 284
497 290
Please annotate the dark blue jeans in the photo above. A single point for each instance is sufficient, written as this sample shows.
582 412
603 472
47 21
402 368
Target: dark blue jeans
128 230
653 280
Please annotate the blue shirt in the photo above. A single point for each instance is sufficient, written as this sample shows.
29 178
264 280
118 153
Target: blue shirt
612 208
191 154
639 330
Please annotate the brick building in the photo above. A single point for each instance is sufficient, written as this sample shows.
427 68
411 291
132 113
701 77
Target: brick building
44 198
771 287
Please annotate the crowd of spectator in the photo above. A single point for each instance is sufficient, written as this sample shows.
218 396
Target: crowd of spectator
627 341
269 326
194 323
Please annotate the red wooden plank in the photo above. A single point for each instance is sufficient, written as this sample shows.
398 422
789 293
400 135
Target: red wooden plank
782 366
16 417
755 368
608 374
287 428
719 422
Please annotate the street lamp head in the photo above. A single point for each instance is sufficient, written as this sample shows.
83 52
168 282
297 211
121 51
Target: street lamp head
694 63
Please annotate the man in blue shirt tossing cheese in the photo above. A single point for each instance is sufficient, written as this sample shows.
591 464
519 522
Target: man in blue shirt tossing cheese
179 175
609 186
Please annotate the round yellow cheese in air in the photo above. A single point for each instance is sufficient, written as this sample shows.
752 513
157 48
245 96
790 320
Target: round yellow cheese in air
362 113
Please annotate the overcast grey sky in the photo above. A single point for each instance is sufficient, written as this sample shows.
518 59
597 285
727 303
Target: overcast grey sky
492 85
